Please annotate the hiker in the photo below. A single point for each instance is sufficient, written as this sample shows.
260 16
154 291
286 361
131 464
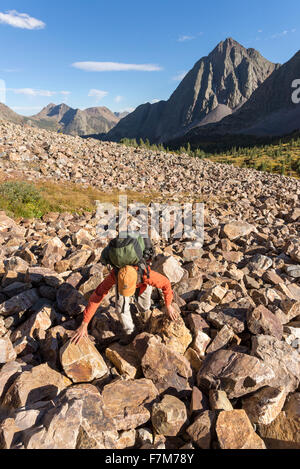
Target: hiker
134 280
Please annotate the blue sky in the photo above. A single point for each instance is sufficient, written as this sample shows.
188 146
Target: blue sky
155 42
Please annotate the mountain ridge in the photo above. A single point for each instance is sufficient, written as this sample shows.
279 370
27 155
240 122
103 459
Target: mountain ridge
227 76
63 118
268 112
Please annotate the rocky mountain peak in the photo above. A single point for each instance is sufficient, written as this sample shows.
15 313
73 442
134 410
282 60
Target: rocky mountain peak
227 76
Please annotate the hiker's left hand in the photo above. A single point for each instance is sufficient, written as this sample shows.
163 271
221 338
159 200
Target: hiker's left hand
171 313
81 332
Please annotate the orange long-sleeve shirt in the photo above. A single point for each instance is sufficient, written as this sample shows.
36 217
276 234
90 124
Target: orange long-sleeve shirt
155 280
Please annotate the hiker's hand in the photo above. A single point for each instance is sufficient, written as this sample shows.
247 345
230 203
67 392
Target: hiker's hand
80 333
171 313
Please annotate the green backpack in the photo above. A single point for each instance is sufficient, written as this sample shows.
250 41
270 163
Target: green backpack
132 250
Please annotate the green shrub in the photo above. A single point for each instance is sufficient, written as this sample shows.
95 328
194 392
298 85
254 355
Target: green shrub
22 199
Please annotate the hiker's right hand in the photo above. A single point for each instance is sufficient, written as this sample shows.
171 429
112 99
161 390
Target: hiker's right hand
81 332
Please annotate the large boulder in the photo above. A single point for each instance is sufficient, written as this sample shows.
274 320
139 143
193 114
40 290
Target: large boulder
70 301
222 339
55 338
7 223
170 267
166 368
234 431
169 416
174 334
283 432
264 405
202 430
39 383
235 318
127 403
38 275
82 363
8 374
262 321
77 421
281 358
289 309
75 261
235 373
237 229
19 303
53 252
36 325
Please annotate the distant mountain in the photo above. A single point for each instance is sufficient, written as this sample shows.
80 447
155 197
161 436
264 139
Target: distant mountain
65 119
75 121
270 110
216 86
8 114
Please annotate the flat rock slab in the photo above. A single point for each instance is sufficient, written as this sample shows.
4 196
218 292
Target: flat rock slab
76 422
19 303
82 363
166 368
37 275
40 383
234 431
235 373
237 229
231 317
126 402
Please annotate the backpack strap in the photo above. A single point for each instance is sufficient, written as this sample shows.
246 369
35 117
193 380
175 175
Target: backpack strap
144 269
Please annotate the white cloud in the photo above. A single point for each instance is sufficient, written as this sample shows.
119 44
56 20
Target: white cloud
98 94
283 33
118 99
20 20
32 92
155 100
115 67
180 76
183 38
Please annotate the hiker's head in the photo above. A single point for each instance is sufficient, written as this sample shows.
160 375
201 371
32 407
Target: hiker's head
127 280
